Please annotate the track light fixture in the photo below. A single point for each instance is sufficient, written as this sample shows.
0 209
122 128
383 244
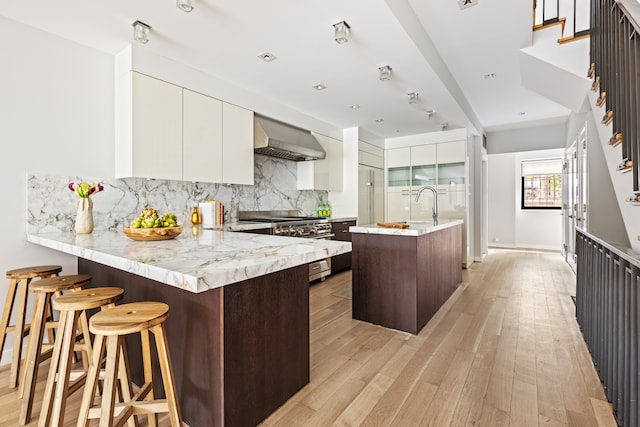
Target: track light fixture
413 97
430 113
141 32
341 32
385 73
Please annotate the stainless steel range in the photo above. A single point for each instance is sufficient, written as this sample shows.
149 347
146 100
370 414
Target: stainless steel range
292 223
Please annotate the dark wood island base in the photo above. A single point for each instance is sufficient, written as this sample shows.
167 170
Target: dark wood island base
238 352
401 281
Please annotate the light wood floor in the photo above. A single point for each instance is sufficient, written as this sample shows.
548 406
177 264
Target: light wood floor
504 350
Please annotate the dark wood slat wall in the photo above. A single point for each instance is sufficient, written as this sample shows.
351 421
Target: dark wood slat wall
615 51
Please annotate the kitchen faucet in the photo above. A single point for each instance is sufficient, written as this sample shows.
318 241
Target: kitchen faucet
435 200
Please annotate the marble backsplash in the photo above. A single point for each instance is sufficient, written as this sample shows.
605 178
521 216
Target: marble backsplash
51 206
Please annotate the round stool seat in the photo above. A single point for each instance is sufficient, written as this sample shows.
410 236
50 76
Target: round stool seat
128 318
88 299
60 283
31 272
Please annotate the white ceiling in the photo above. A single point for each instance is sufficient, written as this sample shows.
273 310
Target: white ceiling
223 38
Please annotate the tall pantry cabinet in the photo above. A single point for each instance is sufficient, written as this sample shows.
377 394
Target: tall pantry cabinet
442 165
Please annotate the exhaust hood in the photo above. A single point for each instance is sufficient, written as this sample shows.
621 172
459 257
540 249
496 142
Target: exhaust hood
277 139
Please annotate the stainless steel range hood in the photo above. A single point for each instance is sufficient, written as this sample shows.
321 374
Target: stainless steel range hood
277 139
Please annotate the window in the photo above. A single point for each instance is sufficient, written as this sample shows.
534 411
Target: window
542 184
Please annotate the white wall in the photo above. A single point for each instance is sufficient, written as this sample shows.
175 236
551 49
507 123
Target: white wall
509 225
527 138
56 116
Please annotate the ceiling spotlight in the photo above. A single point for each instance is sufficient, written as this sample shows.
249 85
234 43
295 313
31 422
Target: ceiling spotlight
341 32
319 86
354 106
489 75
379 120
430 113
141 32
267 56
444 126
413 97
385 73
186 5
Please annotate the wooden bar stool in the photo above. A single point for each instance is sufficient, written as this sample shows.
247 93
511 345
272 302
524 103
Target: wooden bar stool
44 290
110 327
62 381
19 280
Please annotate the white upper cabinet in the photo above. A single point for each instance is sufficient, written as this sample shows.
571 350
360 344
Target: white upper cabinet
164 131
157 129
323 174
202 138
237 145
452 152
423 155
399 157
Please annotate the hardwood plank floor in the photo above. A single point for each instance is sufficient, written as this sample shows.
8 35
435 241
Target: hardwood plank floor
504 350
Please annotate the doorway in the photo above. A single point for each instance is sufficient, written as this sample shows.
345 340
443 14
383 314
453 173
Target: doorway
574 206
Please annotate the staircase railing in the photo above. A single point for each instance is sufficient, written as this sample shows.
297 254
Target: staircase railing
615 68
608 311
574 12
547 13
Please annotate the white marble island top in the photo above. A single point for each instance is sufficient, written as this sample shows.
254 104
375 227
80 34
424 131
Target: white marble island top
416 228
196 263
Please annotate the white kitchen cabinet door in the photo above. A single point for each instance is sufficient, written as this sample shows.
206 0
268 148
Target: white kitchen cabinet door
398 157
423 155
452 152
237 145
201 138
398 204
157 128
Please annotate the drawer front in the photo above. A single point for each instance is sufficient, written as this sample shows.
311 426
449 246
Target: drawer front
341 230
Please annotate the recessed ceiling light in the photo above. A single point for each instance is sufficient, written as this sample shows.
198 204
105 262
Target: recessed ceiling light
354 106
522 113
185 5
467 3
489 75
379 120
319 86
267 56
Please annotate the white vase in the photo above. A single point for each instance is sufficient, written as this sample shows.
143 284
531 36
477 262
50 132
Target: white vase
84 216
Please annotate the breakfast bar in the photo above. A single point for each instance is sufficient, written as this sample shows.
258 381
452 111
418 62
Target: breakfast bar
238 326
402 276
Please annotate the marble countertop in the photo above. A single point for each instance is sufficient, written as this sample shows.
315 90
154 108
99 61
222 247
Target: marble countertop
416 228
196 262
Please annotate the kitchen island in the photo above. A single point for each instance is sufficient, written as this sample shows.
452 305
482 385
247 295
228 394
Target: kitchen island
402 276
238 326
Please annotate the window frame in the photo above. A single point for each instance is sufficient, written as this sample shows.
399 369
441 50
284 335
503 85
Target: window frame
522 194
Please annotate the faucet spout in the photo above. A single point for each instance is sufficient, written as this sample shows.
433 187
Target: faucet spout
435 200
